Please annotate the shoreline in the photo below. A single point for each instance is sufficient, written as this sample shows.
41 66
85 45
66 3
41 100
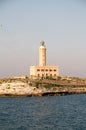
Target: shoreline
41 87
42 94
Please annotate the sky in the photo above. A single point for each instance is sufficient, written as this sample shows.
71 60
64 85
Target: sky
60 23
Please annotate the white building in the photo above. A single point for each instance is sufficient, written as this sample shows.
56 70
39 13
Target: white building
42 70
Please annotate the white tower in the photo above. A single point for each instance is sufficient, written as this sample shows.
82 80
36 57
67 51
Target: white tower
42 54
42 70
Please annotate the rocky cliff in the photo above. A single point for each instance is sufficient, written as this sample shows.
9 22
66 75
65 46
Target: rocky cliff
41 87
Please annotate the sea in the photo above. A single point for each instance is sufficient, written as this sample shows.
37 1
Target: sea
43 113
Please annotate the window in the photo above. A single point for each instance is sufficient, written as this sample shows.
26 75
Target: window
50 75
38 69
38 75
54 69
54 74
46 74
46 69
42 69
42 75
50 70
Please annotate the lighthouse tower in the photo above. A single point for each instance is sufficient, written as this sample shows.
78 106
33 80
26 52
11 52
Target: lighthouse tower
42 54
43 70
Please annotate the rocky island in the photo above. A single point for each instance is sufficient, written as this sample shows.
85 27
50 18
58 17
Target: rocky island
41 87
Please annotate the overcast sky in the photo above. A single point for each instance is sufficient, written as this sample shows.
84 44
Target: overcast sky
60 23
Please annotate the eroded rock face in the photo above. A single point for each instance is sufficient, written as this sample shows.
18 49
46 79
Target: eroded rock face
43 88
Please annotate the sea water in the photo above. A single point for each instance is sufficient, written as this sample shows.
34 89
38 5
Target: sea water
43 113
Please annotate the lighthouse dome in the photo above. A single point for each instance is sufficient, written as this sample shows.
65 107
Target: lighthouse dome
42 44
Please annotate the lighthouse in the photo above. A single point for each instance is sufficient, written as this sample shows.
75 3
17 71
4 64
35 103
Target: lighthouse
42 54
43 70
